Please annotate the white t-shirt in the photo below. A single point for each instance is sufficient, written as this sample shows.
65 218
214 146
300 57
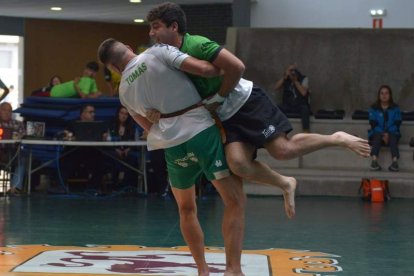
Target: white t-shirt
235 100
153 80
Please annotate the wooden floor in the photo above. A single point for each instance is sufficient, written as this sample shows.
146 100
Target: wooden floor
93 236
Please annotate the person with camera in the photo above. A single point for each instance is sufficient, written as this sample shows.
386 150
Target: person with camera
295 97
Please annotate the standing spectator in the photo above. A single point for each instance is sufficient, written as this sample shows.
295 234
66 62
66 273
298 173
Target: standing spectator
385 121
295 94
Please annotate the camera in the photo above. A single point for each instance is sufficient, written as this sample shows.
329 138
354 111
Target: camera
294 72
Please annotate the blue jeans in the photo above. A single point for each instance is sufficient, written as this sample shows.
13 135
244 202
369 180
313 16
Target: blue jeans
376 142
17 180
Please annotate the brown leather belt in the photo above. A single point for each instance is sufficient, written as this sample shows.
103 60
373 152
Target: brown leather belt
182 111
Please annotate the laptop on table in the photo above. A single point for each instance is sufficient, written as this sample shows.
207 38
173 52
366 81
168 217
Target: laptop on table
88 131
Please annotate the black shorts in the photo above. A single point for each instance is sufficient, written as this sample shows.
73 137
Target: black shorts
257 121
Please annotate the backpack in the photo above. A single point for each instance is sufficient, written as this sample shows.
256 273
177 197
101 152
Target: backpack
374 190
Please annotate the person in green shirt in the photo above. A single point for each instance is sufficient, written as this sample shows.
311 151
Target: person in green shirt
80 87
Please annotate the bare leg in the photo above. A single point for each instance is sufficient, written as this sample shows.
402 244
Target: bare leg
231 191
283 148
239 157
190 226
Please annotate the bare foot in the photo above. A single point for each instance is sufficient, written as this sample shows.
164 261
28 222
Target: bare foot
358 145
205 273
289 196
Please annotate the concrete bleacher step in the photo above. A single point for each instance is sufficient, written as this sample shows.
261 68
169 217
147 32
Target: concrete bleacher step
339 158
338 172
355 127
328 182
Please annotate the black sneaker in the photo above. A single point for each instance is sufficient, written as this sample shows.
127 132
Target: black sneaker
14 191
394 167
375 166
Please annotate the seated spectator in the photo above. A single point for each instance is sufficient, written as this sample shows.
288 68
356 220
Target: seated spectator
295 94
87 114
88 160
12 129
81 87
385 121
122 129
45 91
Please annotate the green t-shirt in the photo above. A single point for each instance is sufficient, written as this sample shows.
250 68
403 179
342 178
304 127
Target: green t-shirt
202 48
67 89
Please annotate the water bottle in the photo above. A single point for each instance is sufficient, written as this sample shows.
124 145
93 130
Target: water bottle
108 137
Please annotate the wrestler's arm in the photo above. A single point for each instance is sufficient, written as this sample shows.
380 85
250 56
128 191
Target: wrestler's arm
232 68
193 66
199 67
142 121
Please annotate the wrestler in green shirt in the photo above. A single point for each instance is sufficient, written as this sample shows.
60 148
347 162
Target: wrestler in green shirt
202 48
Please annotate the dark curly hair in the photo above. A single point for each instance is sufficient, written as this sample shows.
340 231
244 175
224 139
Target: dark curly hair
169 13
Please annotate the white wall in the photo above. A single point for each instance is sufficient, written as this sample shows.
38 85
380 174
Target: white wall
11 48
330 13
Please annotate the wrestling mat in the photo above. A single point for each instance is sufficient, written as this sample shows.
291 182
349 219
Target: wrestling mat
47 260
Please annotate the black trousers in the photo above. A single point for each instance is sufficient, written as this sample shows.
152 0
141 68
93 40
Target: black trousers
157 172
84 160
376 143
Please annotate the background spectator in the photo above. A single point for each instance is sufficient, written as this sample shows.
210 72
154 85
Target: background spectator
295 94
82 87
12 129
385 121
122 126
45 91
9 125
122 129
84 161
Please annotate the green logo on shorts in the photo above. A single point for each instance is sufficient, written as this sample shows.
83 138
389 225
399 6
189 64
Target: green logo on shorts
183 162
